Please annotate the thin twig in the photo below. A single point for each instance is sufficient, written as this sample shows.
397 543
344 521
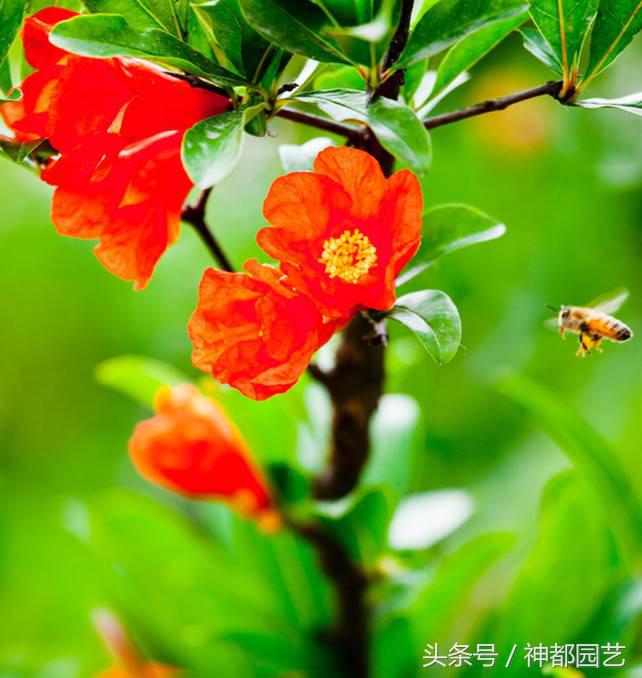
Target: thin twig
350 132
551 88
195 216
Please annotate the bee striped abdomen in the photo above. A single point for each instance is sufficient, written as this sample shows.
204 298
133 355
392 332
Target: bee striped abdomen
611 328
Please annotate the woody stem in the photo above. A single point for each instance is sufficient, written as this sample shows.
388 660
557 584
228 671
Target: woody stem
355 385
195 216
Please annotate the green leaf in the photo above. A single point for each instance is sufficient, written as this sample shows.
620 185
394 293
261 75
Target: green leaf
586 449
241 45
340 77
300 158
11 12
340 104
448 21
295 26
578 570
616 23
434 319
108 35
213 146
564 25
14 95
536 44
360 523
396 433
16 151
438 606
140 14
424 519
401 133
474 47
448 228
630 104
138 377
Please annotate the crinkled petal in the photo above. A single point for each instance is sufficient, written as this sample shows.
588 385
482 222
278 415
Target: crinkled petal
358 173
39 52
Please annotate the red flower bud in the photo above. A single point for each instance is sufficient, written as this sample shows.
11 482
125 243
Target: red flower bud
118 125
191 447
343 232
254 332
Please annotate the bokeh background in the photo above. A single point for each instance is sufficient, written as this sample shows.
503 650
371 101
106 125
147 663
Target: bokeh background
537 560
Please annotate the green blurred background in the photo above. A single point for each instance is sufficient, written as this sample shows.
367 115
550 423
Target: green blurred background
80 530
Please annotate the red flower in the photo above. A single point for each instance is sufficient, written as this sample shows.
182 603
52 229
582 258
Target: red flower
118 126
191 447
252 331
344 232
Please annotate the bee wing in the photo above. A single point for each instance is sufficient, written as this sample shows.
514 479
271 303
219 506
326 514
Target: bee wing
610 303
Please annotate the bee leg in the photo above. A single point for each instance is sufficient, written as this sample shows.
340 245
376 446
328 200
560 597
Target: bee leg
562 333
597 340
583 350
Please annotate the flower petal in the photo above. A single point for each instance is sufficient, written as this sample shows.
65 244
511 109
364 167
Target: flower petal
39 52
359 174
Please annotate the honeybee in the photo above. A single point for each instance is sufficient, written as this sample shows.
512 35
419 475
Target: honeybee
593 323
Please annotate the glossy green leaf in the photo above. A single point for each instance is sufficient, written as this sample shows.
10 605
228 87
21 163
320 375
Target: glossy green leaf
11 12
434 319
16 151
564 25
630 104
474 47
138 377
340 77
340 104
578 570
140 14
424 519
300 157
448 21
448 228
536 44
240 44
295 26
213 146
108 35
401 133
587 450
616 23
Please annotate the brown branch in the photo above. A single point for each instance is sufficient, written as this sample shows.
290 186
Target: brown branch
195 216
551 88
349 637
350 132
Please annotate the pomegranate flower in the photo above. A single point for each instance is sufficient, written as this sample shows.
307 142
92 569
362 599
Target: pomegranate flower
252 331
343 232
191 447
117 125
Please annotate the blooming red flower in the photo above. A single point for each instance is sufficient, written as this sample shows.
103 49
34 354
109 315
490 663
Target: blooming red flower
343 232
191 447
252 331
118 126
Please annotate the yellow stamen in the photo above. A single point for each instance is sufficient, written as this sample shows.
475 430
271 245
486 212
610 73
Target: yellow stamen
349 257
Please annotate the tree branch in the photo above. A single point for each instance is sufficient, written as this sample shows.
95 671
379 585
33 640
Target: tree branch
350 635
195 216
551 88
350 132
